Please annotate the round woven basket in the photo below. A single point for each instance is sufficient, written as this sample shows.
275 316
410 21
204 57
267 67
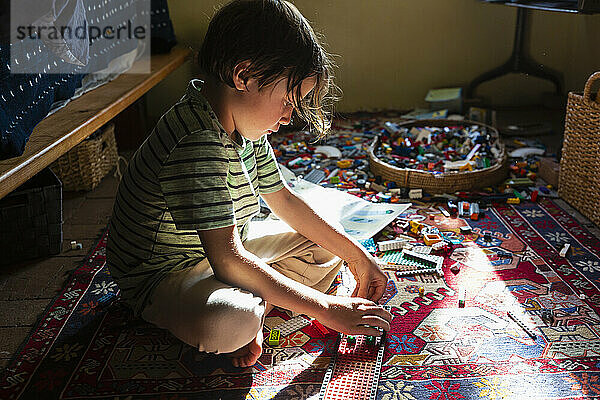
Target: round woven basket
447 182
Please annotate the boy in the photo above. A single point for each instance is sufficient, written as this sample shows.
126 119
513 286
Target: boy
178 244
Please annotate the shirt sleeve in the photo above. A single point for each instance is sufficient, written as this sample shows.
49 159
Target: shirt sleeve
193 182
269 177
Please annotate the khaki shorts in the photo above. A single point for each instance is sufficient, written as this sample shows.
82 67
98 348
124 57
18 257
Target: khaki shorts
218 318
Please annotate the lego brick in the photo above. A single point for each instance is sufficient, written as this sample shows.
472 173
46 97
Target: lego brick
415 193
274 337
315 176
391 245
431 238
292 325
411 262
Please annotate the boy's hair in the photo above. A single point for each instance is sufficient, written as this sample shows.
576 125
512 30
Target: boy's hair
279 43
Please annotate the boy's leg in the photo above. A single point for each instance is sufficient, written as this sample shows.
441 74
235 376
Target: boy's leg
295 256
204 312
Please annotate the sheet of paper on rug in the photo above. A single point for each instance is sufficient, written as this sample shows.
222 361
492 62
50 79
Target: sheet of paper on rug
359 218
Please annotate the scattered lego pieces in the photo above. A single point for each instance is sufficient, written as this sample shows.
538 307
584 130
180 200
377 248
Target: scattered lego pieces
421 290
438 150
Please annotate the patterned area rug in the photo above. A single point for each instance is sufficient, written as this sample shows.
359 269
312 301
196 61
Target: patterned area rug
88 346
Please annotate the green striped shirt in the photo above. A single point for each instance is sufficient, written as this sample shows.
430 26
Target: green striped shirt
187 176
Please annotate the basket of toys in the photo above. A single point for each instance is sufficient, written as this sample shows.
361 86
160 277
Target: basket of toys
84 166
579 176
439 156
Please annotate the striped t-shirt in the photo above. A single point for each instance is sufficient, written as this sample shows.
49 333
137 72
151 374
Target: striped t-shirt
188 175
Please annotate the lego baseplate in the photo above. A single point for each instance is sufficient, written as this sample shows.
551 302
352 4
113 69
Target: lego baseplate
292 325
353 373
407 262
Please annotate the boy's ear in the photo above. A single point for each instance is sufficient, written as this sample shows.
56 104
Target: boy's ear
240 75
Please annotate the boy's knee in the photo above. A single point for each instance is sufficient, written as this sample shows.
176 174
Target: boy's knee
231 322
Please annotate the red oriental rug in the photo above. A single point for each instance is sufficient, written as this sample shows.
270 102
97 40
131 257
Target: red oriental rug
88 346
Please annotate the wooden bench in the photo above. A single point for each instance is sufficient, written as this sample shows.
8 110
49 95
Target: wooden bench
63 130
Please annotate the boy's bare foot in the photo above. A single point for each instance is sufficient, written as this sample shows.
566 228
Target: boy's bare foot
247 355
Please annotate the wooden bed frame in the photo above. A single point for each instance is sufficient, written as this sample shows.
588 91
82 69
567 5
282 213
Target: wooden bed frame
63 130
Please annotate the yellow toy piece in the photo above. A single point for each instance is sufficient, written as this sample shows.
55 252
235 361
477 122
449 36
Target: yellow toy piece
274 337
415 227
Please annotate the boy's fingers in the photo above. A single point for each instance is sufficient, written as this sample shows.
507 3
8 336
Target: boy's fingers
355 292
376 321
366 330
381 313
363 291
379 291
371 294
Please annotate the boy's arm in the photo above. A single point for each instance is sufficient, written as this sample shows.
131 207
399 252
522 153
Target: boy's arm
238 267
371 281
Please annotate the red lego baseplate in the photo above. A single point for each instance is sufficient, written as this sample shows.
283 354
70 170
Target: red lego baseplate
353 374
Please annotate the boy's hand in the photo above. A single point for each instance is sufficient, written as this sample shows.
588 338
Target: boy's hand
355 316
370 280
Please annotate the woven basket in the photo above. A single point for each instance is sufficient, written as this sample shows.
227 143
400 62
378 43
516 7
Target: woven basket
84 166
447 182
31 219
579 177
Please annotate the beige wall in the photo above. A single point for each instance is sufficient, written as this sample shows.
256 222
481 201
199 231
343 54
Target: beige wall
391 52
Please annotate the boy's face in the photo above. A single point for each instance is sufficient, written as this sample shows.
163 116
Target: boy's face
258 113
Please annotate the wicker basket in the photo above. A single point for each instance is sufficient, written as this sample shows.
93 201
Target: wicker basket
31 219
447 182
84 166
579 177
